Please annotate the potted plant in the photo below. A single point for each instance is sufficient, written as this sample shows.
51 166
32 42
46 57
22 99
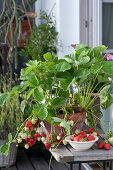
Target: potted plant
11 118
13 33
43 38
46 85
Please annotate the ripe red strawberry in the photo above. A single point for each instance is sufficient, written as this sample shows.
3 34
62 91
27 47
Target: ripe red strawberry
77 138
43 135
31 128
98 133
90 138
67 118
28 124
37 123
56 143
78 132
61 136
36 135
31 142
47 145
107 146
59 126
72 137
100 145
91 130
27 139
84 134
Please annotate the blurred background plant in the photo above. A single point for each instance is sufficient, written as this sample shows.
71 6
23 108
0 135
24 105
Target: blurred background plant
43 39
12 18
11 115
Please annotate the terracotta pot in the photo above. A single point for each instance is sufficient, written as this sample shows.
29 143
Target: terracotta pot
25 33
77 117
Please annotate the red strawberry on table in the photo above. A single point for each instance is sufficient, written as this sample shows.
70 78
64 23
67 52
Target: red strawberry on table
91 130
100 145
72 137
107 146
90 138
78 138
78 132
84 134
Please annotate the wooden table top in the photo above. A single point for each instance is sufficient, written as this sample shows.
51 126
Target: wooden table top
69 154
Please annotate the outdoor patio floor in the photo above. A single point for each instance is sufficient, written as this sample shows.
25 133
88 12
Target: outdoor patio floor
29 163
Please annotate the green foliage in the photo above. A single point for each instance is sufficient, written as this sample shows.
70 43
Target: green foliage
11 115
43 39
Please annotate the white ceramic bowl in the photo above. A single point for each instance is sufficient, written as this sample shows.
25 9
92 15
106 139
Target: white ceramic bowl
81 146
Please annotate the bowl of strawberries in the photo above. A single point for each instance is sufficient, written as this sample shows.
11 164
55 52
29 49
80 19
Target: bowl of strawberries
81 141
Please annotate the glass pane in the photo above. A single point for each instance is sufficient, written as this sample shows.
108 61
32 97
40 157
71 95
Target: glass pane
107 25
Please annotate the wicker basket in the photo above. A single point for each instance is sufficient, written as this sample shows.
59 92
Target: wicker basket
6 161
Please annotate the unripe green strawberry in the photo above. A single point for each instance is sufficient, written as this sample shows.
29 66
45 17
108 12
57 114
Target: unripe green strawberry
65 142
19 140
33 120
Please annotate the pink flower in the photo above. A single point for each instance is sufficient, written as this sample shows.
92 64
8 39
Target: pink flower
108 57
73 45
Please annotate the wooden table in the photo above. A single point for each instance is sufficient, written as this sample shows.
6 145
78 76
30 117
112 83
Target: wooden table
67 154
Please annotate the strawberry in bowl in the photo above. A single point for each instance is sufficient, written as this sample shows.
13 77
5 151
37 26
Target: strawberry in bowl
81 142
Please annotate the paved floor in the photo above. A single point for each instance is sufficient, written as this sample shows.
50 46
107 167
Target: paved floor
25 162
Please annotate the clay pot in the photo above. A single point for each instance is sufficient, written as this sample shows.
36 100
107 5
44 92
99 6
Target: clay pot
25 33
78 118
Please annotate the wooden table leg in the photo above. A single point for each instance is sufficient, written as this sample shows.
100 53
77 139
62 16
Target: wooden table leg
71 166
104 165
110 165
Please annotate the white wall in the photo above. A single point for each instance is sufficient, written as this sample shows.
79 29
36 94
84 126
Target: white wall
67 22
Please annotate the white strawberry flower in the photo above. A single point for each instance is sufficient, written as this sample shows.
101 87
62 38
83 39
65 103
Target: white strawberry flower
43 139
26 146
23 135
19 140
58 137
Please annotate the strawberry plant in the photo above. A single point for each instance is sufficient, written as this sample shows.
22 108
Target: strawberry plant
46 85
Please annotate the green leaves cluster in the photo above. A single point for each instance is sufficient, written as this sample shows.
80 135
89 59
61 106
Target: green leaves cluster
43 38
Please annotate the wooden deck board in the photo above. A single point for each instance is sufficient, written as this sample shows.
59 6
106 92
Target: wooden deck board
10 168
23 162
39 163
